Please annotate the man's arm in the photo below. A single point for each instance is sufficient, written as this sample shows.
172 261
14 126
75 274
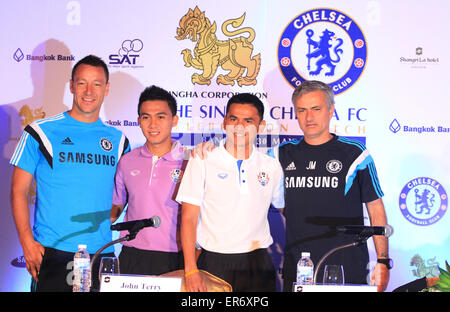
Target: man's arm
116 211
119 194
189 219
377 215
32 250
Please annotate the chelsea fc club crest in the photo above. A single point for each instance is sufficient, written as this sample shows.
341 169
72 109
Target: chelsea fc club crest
322 44
423 201
106 145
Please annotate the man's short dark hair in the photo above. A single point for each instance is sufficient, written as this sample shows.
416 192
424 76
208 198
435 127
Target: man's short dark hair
93 61
247 98
311 86
156 93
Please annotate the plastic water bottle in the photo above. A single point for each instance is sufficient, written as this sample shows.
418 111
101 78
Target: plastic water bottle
81 270
305 270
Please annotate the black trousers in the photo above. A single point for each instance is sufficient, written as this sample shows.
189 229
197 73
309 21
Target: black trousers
56 272
246 272
148 262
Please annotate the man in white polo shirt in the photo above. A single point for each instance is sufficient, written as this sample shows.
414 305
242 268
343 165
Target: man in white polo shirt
225 201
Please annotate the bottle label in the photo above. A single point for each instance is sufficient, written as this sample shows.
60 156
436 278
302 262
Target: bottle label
305 275
81 263
82 272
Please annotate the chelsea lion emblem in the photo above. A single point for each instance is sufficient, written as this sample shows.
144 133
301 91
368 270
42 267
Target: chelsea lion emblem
423 201
106 145
322 44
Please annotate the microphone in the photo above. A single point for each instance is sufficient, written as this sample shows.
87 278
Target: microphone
133 226
367 231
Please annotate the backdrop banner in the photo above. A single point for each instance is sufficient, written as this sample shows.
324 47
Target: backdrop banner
387 62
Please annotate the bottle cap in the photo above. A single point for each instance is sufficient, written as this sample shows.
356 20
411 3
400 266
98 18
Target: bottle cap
306 254
82 246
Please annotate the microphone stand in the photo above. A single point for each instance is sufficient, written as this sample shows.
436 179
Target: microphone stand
128 237
132 235
362 238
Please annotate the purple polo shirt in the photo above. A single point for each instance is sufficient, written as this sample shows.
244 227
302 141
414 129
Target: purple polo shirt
151 185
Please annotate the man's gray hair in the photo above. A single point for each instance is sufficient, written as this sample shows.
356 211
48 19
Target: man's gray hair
314 85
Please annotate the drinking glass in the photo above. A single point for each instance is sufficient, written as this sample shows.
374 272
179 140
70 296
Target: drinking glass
333 274
108 265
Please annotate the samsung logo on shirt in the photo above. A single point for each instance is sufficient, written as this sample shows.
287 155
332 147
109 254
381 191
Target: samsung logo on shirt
83 158
311 182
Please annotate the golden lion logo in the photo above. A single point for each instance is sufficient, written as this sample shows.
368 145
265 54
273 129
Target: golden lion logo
233 55
28 115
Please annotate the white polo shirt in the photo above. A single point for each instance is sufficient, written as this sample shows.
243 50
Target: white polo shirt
233 202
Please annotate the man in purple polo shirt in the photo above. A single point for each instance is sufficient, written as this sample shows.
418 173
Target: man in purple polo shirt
147 179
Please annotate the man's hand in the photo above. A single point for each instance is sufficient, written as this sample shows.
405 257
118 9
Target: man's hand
201 150
33 252
380 277
195 282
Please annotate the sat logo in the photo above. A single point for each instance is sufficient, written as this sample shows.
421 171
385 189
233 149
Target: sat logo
127 53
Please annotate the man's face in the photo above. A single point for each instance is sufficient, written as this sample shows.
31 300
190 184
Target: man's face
314 116
242 123
89 87
156 122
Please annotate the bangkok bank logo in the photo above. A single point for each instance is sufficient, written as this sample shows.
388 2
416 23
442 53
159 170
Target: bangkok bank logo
394 126
322 44
233 55
423 201
128 54
18 55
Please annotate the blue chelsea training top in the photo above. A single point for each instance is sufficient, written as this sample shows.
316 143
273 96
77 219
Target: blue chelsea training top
74 165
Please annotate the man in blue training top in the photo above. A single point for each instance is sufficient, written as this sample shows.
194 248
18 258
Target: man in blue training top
327 180
73 158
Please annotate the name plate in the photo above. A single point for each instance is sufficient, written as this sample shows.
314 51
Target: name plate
139 283
335 288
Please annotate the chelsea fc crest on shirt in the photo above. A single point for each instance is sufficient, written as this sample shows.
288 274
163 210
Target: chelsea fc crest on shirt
423 201
263 178
106 145
322 44
334 166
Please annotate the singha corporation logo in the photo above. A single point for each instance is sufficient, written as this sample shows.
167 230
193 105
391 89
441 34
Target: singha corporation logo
29 115
233 55
423 201
328 46
429 269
